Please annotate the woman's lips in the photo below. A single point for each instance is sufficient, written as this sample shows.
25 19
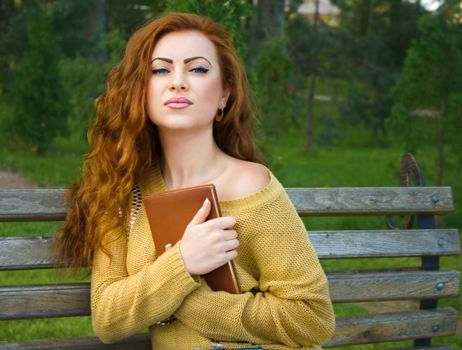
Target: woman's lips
178 103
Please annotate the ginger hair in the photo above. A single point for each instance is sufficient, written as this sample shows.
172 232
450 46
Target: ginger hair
124 143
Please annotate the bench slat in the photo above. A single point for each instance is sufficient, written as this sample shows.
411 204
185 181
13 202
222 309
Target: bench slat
385 243
382 286
394 327
32 204
36 252
42 301
434 347
350 331
22 302
371 200
137 342
48 204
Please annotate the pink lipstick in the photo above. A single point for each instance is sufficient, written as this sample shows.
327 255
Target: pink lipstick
178 102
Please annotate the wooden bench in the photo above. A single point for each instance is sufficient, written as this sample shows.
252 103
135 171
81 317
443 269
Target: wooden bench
423 285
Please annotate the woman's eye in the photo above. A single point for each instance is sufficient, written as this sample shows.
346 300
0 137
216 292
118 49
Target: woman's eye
158 71
201 70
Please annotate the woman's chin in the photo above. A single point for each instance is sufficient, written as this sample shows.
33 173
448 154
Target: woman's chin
183 126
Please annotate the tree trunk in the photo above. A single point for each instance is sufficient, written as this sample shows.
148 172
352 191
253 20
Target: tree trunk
98 28
271 16
311 92
440 148
369 18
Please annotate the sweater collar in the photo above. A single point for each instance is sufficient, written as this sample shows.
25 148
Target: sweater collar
155 182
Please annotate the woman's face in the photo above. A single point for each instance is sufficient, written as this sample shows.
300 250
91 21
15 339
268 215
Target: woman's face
185 88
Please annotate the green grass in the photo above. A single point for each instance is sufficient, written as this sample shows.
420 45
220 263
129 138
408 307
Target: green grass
52 170
49 328
349 162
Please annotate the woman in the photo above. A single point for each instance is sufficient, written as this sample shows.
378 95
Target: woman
177 113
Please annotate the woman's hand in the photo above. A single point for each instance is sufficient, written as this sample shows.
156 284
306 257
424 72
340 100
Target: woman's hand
207 245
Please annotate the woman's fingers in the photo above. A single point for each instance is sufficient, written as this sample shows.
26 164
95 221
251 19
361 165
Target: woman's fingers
230 245
232 254
202 213
223 223
229 234
207 245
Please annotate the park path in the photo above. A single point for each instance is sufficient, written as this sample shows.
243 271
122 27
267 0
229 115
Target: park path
10 180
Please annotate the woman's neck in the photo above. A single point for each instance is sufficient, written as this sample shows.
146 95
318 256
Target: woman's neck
190 158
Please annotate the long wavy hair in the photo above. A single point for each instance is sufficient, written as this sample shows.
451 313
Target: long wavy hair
124 143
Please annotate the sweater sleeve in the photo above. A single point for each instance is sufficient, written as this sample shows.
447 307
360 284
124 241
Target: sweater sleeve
123 304
292 304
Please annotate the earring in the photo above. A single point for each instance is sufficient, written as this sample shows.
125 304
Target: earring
220 115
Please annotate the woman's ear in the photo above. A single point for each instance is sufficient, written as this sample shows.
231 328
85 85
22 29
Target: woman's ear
225 96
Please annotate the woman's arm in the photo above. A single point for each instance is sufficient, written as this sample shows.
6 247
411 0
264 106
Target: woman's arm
292 305
123 305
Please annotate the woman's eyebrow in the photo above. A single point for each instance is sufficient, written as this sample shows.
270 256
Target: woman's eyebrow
168 60
186 60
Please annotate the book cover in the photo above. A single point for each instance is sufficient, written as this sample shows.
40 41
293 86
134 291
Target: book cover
170 212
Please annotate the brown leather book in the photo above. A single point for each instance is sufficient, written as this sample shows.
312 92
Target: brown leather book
168 215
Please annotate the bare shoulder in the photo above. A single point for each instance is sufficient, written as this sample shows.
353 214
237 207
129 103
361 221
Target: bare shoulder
245 178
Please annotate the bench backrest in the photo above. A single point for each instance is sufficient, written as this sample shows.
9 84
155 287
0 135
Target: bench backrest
426 283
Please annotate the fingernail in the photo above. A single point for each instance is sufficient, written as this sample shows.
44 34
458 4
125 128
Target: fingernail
206 200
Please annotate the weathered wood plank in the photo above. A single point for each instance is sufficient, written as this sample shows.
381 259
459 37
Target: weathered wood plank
371 200
394 327
385 243
350 331
32 205
434 347
24 302
137 342
393 285
48 204
36 252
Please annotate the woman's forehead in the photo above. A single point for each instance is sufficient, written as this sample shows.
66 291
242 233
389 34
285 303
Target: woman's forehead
184 44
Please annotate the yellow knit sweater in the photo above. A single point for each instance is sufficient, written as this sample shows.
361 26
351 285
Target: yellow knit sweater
285 301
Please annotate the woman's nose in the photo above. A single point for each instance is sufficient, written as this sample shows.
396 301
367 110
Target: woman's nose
178 87
178 83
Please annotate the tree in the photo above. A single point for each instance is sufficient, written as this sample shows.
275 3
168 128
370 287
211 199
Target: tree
274 73
375 35
367 102
126 16
312 89
432 80
12 40
267 20
84 80
70 26
299 46
451 11
230 14
39 99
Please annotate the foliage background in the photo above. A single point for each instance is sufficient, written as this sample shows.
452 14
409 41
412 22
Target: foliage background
384 80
